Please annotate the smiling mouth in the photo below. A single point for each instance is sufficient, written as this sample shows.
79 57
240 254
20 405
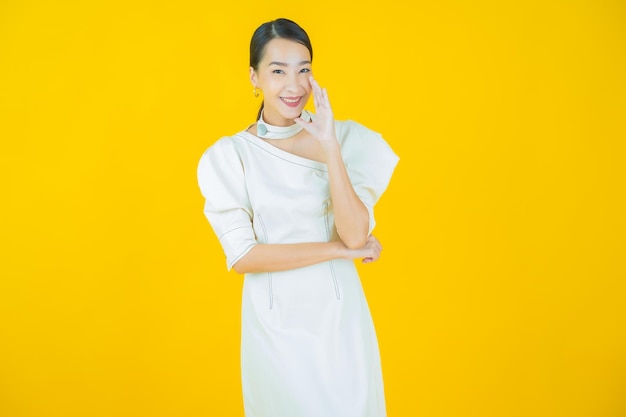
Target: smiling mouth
291 101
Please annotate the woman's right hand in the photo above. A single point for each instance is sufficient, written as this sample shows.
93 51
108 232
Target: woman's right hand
369 253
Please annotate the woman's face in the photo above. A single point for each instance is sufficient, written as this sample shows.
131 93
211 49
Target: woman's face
283 76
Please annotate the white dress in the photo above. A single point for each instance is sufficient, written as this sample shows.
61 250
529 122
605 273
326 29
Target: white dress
308 344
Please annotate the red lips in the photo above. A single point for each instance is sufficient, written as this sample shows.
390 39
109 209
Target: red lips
291 101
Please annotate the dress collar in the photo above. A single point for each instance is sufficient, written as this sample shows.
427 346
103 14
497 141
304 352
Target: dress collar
267 131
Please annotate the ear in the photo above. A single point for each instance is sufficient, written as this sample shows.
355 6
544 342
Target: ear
253 78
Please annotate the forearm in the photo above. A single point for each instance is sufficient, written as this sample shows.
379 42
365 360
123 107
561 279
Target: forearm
281 257
351 215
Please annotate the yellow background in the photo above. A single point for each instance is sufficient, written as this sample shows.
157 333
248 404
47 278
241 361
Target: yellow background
501 287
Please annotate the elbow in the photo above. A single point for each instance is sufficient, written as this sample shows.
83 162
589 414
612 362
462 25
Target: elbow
240 268
355 239
243 264
355 242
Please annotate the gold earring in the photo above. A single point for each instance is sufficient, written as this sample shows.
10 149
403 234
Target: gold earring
256 91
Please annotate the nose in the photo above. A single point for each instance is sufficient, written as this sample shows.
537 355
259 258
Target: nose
293 85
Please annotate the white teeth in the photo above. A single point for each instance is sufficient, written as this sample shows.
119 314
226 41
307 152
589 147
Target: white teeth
290 101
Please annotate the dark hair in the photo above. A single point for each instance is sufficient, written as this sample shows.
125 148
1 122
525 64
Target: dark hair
279 28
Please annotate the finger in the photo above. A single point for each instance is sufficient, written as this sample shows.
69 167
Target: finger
306 125
317 95
319 98
325 95
317 92
315 87
314 83
370 259
375 245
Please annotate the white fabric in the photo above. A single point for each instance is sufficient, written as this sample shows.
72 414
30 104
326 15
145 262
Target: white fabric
308 344
267 131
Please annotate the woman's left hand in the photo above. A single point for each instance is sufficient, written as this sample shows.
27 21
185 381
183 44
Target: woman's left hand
323 126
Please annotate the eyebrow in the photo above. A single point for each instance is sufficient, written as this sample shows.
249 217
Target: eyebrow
283 64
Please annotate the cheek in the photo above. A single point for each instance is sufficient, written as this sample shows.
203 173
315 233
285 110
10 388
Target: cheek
306 85
271 84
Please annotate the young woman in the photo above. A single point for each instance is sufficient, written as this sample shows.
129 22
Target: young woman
291 200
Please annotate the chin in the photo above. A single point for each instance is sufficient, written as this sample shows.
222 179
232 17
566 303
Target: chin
291 113
285 112
296 112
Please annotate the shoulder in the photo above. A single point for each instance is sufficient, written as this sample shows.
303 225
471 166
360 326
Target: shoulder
221 159
226 148
220 167
350 128
224 145
364 148
354 136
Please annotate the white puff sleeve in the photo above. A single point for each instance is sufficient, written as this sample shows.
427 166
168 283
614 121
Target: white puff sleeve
369 160
227 206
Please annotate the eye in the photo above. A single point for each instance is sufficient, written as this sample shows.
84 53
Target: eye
278 71
305 70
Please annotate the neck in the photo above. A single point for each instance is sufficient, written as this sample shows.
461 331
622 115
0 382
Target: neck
276 120
267 130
